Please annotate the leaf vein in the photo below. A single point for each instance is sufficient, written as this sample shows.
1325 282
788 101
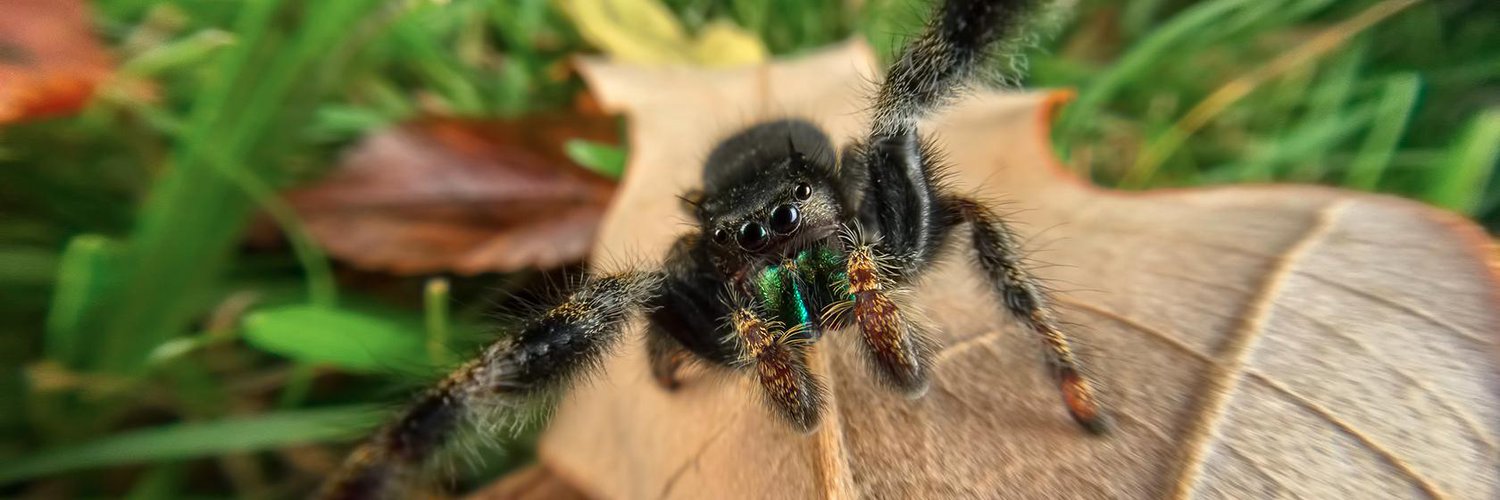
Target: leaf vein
1406 308
1295 397
1225 374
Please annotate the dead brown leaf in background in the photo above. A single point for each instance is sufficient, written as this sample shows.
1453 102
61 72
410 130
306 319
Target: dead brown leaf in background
1255 342
50 60
447 195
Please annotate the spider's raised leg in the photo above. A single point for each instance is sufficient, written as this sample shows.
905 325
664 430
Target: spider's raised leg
550 350
999 255
894 170
905 208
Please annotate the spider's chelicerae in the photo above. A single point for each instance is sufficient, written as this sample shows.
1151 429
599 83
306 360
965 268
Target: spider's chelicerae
775 262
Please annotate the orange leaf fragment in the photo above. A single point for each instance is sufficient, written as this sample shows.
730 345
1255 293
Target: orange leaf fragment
50 60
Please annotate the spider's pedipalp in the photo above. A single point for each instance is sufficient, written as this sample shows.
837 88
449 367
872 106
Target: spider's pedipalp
780 365
899 349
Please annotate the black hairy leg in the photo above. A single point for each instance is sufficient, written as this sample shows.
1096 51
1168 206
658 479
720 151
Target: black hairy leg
904 205
998 252
687 319
550 350
667 358
958 39
896 169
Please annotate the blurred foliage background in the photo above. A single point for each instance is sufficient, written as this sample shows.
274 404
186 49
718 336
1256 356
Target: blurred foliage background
172 322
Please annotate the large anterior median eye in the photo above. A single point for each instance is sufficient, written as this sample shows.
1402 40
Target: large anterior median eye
785 219
753 236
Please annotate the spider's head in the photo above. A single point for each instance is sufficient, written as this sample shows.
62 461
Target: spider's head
769 192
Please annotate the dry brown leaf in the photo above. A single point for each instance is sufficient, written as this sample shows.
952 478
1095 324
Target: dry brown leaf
531 483
464 197
50 61
1256 342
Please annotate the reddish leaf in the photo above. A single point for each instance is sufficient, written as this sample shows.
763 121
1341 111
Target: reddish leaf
50 61
461 196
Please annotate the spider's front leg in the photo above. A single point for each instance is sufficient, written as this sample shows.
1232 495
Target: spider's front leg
549 351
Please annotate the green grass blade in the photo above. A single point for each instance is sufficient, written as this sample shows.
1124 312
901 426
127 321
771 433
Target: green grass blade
1146 54
247 118
1330 97
346 339
1395 109
193 49
1308 139
88 271
199 439
1460 184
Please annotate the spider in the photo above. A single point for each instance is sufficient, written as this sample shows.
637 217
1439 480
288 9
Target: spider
792 241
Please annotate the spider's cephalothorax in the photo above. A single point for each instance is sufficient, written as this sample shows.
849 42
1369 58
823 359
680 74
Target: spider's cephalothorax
792 240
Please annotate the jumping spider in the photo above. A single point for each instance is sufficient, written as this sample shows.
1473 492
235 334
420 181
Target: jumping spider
774 263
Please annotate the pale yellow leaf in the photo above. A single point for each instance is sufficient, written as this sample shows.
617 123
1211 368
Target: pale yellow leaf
646 32
721 43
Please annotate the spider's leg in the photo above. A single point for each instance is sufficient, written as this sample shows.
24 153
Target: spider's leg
687 317
894 169
999 254
899 349
667 358
550 350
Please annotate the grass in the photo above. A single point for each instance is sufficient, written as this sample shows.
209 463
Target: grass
148 350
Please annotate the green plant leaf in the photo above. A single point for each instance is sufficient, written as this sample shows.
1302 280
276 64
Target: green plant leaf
346 339
88 271
190 440
603 159
193 49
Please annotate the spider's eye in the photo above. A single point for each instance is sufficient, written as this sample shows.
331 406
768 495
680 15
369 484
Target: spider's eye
785 219
753 236
722 236
802 192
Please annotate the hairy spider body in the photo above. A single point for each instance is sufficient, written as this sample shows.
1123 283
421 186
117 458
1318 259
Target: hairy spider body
794 241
